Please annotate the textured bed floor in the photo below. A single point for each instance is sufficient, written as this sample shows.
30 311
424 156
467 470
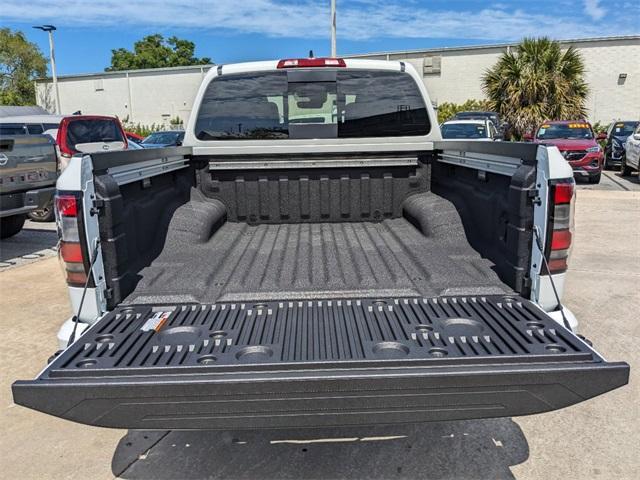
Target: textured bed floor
319 260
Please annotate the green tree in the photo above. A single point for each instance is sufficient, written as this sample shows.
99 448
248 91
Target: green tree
20 62
153 51
537 81
447 110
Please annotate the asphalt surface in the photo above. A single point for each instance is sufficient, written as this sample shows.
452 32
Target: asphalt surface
35 242
595 439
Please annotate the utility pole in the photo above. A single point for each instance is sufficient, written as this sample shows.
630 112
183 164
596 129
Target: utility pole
50 29
333 29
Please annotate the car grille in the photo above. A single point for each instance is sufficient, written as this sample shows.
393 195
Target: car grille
573 155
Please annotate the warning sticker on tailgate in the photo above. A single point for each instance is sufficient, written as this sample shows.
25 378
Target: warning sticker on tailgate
156 322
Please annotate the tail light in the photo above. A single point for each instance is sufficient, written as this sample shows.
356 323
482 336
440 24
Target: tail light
72 251
311 62
62 145
560 230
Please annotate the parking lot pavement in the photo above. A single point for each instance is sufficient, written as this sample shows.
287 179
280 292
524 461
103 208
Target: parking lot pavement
612 180
595 439
36 241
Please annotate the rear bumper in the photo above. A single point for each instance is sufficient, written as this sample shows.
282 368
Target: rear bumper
319 363
25 202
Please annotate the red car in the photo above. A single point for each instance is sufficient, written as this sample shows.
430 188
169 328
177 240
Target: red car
88 134
577 143
133 137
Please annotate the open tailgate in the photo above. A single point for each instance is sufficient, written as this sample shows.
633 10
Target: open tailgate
319 363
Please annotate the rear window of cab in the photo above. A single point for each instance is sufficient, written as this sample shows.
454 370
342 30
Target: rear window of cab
312 103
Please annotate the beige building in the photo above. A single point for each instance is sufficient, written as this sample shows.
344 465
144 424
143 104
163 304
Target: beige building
451 74
150 96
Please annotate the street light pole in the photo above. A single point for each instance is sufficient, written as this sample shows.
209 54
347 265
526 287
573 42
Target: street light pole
333 29
50 29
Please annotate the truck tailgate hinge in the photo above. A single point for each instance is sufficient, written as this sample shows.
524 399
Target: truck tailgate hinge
98 204
534 196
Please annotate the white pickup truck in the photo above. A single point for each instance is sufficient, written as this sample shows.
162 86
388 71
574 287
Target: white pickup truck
316 255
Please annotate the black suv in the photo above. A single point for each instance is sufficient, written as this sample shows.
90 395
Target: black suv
617 134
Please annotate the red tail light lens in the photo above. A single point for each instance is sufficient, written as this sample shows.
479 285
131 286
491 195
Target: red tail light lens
72 254
61 140
563 193
311 62
560 226
67 206
560 240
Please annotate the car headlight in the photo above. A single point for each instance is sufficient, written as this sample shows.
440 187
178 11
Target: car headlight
593 149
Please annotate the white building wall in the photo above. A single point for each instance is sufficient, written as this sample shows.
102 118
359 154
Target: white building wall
145 97
157 96
610 99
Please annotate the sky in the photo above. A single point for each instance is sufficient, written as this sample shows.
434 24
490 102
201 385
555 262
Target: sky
242 30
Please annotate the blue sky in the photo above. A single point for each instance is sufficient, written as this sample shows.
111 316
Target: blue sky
241 30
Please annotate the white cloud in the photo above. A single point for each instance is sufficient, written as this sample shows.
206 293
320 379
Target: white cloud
593 9
357 19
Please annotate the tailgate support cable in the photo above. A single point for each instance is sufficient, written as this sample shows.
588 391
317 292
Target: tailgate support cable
536 233
76 317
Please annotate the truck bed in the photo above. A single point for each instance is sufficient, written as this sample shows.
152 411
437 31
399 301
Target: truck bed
391 258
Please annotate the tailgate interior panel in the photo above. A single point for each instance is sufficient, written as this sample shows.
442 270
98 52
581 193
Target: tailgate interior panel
322 362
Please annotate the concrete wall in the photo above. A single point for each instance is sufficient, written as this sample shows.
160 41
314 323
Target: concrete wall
156 96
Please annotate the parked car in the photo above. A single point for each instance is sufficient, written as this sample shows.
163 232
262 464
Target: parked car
133 137
312 260
29 124
616 138
32 125
483 130
577 144
88 134
493 116
631 160
168 138
27 178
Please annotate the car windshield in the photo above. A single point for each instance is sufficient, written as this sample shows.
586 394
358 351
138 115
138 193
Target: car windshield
575 131
463 130
163 138
623 129
93 130
306 103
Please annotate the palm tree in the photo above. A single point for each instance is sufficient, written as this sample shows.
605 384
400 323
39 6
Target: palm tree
537 81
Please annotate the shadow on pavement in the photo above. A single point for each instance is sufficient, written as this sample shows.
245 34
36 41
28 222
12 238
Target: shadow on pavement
34 241
474 449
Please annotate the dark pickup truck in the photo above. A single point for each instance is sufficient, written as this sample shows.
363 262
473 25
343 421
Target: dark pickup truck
28 175
315 255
